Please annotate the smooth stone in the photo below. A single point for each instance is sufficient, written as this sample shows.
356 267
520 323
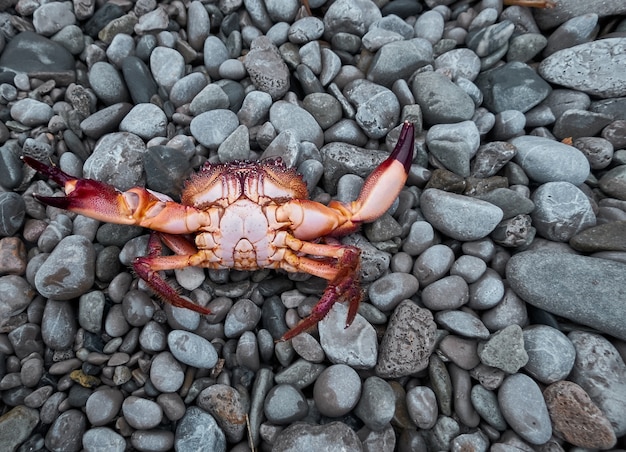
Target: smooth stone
377 405
398 60
59 277
613 182
146 121
459 217
212 127
30 53
378 108
513 86
285 404
604 237
17 425
524 409
454 145
564 284
592 68
546 160
350 16
228 407
551 17
600 370
355 346
441 100
561 211
337 390
266 68
191 349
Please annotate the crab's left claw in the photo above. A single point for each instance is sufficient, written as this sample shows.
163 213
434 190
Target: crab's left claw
137 206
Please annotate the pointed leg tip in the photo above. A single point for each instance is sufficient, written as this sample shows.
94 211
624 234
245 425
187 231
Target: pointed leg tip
403 152
60 202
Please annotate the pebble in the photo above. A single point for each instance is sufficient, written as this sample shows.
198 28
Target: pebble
562 284
102 406
212 127
59 278
166 373
198 429
66 432
440 99
595 64
454 145
408 324
450 292
228 408
355 346
399 59
12 213
576 418
191 349
285 404
268 72
546 160
524 409
599 370
142 414
433 264
459 217
421 403
303 436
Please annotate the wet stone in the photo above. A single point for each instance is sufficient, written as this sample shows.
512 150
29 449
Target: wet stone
102 406
433 264
408 324
386 292
145 120
95 437
58 325
16 425
66 432
546 160
29 52
376 406
337 390
513 86
300 374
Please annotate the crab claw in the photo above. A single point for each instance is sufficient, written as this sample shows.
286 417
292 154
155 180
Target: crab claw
137 206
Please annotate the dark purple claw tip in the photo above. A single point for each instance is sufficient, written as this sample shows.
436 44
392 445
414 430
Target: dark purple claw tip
403 152
55 201
52 172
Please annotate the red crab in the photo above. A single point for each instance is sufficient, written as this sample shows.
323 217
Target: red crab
247 216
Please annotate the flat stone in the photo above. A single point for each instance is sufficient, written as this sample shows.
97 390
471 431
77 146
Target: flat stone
583 289
604 237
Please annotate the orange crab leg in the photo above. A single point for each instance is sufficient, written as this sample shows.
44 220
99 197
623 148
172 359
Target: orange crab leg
136 206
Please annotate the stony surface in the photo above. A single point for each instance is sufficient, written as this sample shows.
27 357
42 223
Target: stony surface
484 284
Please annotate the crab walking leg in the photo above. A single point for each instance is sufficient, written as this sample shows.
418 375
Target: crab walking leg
147 268
136 206
343 285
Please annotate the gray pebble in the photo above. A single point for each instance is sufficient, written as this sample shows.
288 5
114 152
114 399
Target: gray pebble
192 349
167 66
532 276
355 346
212 127
440 99
429 26
348 16
66 432
580 123
243 316
546 160
454 145
408 324
421 403
211 97
115 324
421 236
337 390
59 277
58 325
287 116
486 404
187 87
561 211
266 68
153 440
458 216
487 291
510 311
198 25
31 112
596 66
52 17
449 292
433 264
462 352
504 350
388 291
12 213
398 60
377 405
228 407
378 108
459 63
306 30
166 374
247 351
513 86
285 404
470 268
197 430
107 83
524 409
551 354
303 436
103 406
598 151
94 438
462 323
145 120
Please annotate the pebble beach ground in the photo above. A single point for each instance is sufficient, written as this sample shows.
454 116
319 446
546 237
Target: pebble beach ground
494 315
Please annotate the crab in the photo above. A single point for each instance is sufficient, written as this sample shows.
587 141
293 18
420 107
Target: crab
244 215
